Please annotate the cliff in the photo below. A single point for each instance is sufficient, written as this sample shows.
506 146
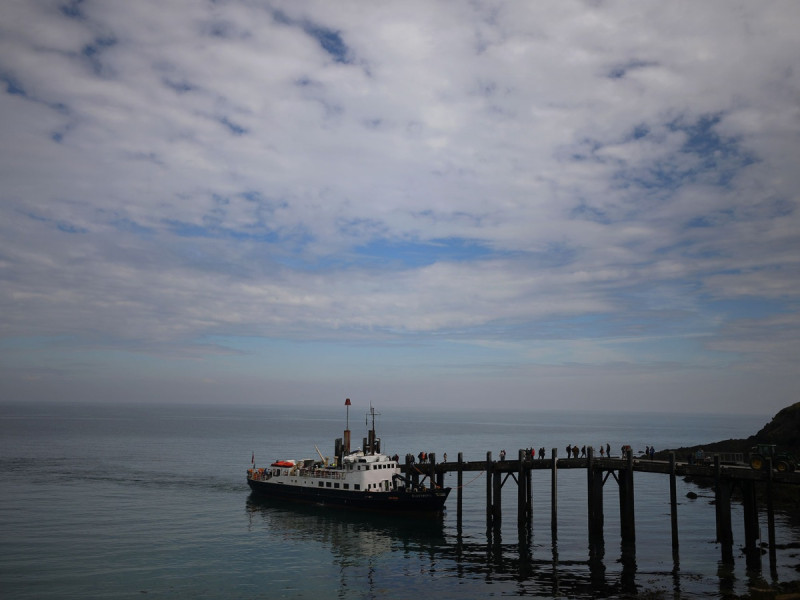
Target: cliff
783 431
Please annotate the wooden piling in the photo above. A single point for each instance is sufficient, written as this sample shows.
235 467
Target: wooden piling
497 499
554 495
751 535
489 471
411 474
626 506
529 498
773 561
432 470
594 485
460 486
673 507
521 491
722 502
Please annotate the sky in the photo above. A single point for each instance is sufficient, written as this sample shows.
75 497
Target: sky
581 205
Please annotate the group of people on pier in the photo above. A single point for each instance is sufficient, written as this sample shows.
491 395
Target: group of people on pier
572 452
533 451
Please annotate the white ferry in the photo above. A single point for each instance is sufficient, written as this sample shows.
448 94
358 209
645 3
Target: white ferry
365 479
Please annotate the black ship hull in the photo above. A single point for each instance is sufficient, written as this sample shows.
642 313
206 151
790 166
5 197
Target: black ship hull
420 501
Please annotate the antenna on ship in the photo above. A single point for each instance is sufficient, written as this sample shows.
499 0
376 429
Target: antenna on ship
373 441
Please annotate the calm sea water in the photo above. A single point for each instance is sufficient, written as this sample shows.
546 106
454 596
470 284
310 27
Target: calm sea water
151 501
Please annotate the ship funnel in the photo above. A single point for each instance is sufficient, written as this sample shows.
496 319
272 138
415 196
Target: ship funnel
346 442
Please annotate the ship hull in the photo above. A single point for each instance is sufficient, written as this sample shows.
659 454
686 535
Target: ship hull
401 501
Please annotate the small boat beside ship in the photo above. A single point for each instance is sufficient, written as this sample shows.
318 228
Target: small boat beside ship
364 479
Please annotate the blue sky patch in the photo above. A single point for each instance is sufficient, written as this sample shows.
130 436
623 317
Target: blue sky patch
620 71
329 39
13 87
61 225
67 227
417 254
750 307
72 9
130 226
235 129
590 213
93 51
180 87
722 156
211 230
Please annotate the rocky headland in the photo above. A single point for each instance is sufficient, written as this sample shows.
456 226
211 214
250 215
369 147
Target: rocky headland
783 431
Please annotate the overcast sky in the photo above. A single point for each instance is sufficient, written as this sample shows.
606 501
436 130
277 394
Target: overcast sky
503 204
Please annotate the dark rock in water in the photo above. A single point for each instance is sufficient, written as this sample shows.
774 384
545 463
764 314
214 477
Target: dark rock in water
691 495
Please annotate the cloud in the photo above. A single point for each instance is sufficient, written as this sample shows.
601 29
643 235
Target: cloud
560 175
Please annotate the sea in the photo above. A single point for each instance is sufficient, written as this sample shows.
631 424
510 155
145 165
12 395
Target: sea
102 500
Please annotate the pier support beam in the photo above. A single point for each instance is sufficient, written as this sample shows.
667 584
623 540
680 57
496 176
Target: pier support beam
673 508
773 560
529 498
722 503
489 473
460 480
594 481
522 493
751 535
412 475
626 509
554 495
497 499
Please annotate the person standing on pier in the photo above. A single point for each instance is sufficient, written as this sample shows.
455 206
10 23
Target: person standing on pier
583 451
608 450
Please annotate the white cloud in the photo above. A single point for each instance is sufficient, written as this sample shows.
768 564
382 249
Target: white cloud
473 171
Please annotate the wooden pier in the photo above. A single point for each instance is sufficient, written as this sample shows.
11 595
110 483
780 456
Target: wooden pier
599 471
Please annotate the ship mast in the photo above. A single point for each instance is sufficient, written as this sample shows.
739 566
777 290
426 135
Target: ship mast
372 437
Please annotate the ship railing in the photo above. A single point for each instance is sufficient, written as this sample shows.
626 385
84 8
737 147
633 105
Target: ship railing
321 474
259 474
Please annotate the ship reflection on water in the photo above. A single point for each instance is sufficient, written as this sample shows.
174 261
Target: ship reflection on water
363 549
382 548
347 533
